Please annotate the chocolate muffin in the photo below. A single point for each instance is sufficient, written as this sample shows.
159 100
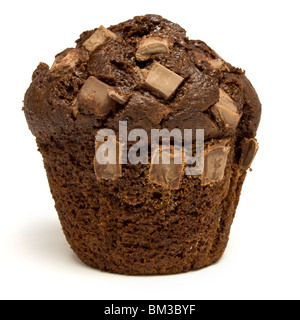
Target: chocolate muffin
143 218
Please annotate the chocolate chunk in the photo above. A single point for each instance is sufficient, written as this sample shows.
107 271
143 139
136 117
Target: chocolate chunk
109 171
226 101
193 119
218 64
249 150
68 60
225 111
141 112
215 63
215 160
118 95
162 81
151 46
99 37
199 92
227 117
167 175
94 99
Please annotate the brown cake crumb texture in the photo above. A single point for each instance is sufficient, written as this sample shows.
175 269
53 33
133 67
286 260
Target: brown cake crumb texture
143 219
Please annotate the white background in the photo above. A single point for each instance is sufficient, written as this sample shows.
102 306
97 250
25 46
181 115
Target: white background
262 260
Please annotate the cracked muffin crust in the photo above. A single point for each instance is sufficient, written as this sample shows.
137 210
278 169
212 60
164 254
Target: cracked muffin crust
141 219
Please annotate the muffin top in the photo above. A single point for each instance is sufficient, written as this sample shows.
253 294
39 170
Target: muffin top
146 61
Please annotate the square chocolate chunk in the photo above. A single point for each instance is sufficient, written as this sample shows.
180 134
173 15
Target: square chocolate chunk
99 37
215 160
94 98
227 117
68 60
162 81
109 171
167 175
226 112
226 101
151 46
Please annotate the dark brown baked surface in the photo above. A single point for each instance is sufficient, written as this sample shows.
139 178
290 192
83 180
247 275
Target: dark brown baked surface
138 224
